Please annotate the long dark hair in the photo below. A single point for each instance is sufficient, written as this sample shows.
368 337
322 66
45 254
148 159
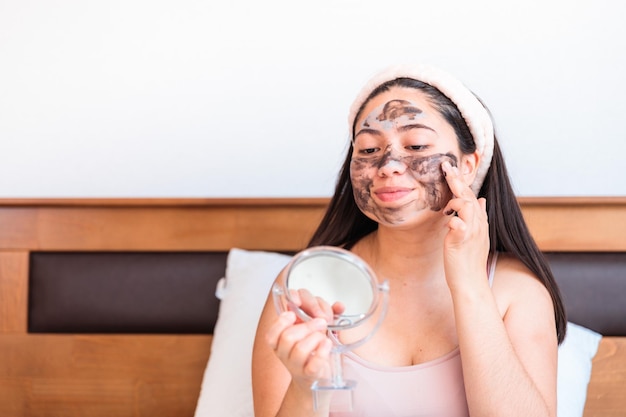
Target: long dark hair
344 224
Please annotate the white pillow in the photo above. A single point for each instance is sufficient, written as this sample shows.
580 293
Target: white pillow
227 384
574 369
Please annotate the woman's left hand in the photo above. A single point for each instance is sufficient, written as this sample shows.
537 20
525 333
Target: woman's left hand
466 246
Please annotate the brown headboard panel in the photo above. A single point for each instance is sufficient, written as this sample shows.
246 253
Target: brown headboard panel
88 367
124 292
593 286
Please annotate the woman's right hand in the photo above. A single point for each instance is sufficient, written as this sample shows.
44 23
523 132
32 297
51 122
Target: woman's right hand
316 307
303 347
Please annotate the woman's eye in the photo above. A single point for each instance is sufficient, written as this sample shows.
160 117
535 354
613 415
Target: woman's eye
368 151
417 147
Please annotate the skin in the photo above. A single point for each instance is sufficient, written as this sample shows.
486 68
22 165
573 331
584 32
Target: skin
435 264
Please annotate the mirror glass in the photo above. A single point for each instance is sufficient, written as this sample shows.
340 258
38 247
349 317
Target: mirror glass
335 276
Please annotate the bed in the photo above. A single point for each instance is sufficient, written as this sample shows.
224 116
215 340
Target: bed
108 306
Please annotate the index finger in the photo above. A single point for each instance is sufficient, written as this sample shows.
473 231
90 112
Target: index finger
314 306
453 177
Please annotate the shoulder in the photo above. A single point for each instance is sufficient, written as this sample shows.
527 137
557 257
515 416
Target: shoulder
525 305
517 287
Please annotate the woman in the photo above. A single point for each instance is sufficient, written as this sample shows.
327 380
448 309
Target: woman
474 317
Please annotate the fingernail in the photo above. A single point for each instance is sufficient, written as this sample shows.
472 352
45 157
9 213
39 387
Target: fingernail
326 347
445 166
289 315
319 324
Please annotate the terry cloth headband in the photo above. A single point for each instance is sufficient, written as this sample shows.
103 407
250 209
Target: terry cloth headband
476 116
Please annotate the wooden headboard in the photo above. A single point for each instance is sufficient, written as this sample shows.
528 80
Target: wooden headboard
142 374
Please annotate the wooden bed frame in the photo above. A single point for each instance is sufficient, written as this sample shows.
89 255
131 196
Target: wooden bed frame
51 374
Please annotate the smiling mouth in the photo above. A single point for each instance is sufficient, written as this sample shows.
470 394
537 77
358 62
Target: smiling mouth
388 195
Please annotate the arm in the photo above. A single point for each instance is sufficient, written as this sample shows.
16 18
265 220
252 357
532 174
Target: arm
506 334
509 363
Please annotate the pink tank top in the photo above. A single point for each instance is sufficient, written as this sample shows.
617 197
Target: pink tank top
433 388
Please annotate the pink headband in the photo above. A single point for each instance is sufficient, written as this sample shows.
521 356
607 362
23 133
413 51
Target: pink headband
476 116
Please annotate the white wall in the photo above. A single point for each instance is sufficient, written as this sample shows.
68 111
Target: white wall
184 98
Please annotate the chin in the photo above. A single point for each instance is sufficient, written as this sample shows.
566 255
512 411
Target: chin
399 217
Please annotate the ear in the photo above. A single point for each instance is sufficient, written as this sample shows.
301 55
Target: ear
469 164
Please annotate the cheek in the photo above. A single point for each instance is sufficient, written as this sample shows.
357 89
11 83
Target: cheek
428 172
360 170
428 169
361 182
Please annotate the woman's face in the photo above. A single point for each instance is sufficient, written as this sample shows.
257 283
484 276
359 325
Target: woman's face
400 142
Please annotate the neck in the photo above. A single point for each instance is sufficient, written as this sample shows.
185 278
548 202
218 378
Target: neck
404 254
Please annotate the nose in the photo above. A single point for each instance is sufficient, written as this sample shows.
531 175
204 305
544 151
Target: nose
391 163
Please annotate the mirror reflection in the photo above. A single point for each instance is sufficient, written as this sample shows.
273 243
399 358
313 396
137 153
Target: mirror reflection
339 280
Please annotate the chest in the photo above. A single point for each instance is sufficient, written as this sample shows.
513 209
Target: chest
430 389
415 329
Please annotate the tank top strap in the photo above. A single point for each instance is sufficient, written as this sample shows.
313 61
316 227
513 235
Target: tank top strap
491 267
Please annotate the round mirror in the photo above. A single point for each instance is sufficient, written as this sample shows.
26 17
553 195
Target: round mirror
346 289
334 276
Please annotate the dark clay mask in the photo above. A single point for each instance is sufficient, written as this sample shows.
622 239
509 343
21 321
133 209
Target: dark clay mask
425 170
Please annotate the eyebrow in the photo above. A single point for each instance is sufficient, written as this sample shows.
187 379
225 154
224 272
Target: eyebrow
370 131
404 128
414 126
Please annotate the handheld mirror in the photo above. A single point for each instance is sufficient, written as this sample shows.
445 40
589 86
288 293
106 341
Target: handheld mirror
335 277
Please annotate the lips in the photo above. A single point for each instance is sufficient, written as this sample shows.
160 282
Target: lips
390 194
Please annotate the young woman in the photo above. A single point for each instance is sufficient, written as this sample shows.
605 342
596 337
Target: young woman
474 317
